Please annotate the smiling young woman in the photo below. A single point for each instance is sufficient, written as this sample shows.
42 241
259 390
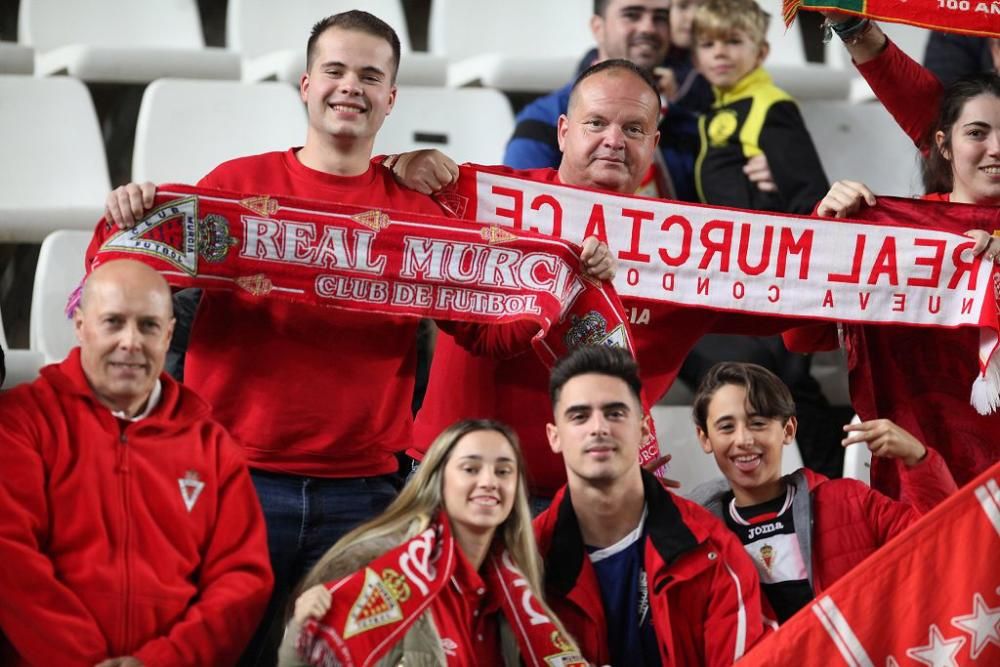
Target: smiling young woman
448 574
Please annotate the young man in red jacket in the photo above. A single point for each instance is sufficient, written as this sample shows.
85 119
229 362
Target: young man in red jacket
638 575
129 528
803 531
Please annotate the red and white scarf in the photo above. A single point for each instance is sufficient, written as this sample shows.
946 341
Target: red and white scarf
903 262
373 608
372 260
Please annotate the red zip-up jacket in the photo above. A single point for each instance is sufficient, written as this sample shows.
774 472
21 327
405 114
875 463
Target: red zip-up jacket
124 538
704 593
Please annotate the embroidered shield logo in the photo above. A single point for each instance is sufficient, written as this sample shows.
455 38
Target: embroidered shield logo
191 488
374 607
592 329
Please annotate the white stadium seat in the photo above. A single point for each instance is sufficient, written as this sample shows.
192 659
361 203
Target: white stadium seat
912 40
271 37
690 465
21 365
59 271
53 174
121 41
186 128
468 124
522 45
16 58
861 142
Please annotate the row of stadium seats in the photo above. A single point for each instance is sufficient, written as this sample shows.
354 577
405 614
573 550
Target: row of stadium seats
54 173
523 45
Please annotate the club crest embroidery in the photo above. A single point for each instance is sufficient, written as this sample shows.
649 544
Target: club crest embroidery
592 329
453 202
374 220
568 657
495 235
722 127
376 606
767 556
191 488
174 233
257 284
261 205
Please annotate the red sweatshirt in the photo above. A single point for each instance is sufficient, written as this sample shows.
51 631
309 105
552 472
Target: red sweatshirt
124 538
308 390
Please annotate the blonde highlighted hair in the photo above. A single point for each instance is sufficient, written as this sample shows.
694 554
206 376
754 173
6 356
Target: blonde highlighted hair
717 18
422 498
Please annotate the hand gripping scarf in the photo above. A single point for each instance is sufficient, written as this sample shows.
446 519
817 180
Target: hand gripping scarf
373 608
372 260
970 17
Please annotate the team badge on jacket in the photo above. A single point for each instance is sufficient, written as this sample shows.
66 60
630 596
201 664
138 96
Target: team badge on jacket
191 488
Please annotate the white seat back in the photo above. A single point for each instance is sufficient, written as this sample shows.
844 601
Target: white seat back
786 46
53 174
690 465
861 142
468 124
256 27
187 127
59 271
48 24
463 28
20 365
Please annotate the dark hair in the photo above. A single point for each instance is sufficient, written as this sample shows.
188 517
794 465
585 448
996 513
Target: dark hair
937 169
599 359
767 395
600 6
614 64
357 21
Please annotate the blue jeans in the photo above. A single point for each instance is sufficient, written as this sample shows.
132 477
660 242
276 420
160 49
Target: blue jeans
305 516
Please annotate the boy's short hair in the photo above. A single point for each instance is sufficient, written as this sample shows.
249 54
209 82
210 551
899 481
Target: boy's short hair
600 359
721 17
358 21
767 395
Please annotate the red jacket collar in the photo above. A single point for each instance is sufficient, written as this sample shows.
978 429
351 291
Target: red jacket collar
561 541
178 405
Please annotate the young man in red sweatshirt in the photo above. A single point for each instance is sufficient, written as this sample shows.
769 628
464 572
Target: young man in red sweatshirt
129 528
319 397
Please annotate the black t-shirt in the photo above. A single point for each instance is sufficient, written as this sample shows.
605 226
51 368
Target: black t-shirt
767 531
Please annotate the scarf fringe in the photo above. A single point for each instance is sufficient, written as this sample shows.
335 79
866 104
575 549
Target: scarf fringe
986 388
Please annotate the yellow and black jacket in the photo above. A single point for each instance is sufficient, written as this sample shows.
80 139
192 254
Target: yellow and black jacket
758 117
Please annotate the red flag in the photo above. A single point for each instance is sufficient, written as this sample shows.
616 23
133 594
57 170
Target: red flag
929 597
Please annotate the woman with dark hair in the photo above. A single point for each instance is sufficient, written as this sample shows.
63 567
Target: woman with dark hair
962 164
449 574
915 376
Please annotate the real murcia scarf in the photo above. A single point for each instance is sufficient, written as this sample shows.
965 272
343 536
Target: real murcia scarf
905 263
971 17
373 608
372 260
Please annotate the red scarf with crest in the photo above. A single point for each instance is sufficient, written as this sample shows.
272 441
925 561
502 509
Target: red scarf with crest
374 607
